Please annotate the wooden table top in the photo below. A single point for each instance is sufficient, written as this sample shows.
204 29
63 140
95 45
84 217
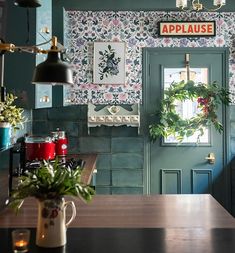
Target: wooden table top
123 211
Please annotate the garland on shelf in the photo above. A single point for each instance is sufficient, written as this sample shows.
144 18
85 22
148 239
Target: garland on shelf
208 96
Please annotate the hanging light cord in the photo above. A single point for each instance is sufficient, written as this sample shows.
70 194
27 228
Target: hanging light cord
32 49
28 26
2 88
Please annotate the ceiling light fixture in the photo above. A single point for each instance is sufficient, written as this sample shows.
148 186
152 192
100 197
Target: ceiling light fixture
197 5
28 3
52 71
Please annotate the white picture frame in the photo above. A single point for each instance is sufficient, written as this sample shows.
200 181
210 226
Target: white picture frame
109 63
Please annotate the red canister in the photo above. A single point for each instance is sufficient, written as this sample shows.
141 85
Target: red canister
61 142
39 148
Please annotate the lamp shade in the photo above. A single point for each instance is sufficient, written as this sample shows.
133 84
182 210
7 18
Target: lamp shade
28 3
53 71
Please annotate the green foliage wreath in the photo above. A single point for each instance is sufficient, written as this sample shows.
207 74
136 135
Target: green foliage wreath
208 96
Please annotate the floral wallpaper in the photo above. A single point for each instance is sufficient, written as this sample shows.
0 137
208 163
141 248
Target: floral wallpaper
137 30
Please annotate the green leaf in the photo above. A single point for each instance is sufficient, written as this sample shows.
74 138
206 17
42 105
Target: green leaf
51 180
171 123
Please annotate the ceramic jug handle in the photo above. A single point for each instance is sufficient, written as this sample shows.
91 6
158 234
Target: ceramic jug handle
70 203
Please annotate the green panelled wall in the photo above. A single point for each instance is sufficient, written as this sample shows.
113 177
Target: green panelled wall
4 164
119 149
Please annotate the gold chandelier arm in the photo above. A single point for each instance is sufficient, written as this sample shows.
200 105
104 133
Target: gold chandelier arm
214 9
197 5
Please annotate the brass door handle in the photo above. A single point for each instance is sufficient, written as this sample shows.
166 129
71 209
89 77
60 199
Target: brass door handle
210 158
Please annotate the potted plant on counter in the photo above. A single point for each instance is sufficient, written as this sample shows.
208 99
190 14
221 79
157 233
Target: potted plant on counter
49 183
11 117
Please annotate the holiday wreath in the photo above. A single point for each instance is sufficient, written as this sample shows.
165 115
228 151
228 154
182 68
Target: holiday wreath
208 97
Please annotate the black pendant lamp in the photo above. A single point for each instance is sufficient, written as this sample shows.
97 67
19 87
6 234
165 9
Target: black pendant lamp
53 71
28 3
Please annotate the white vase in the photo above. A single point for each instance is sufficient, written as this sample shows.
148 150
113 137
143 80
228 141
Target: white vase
52 225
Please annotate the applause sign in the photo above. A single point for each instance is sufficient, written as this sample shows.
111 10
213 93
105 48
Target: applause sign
187 28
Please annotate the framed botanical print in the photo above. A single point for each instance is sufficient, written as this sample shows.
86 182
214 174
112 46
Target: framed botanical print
109 63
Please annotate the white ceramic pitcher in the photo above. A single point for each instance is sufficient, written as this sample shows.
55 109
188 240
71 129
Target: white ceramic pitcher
52 225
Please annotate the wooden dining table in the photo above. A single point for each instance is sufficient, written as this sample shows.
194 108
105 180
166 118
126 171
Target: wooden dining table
151 224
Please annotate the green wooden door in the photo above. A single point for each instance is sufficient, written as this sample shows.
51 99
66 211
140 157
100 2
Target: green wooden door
183 169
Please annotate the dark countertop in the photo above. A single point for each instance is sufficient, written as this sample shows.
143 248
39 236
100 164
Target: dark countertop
136 240
138 224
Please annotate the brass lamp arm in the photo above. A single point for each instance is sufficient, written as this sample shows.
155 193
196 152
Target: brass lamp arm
8 47
214 9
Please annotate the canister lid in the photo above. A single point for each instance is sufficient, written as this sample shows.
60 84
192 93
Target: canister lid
58 134
38 139
61 134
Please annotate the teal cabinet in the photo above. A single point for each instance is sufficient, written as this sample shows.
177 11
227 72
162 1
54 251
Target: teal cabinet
19 66
43 93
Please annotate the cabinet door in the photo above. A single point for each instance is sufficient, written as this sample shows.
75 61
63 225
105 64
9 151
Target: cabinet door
43 93
4 178
19 67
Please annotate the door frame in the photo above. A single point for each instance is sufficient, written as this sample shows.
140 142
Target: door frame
225 120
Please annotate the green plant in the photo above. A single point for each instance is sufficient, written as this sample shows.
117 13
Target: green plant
208 96
52 180
10 113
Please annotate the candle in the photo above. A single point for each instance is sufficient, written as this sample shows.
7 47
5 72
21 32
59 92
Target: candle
20 240
21 246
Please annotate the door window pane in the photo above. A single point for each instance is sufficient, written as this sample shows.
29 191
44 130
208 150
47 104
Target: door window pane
188 108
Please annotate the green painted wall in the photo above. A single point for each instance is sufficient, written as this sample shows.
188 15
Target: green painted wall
232 153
